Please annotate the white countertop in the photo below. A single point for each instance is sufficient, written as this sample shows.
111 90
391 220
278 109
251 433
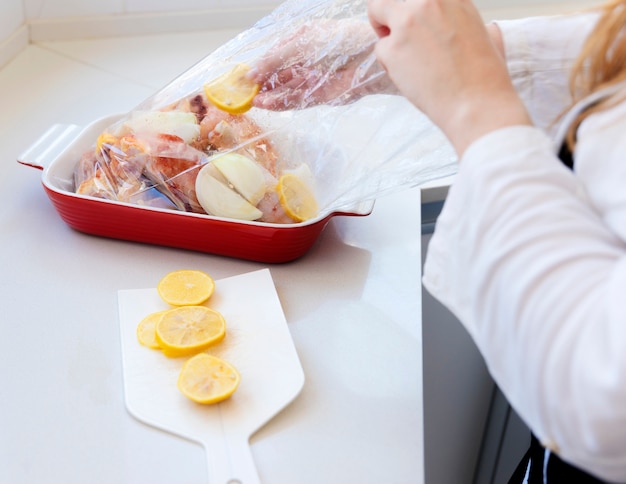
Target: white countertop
352 305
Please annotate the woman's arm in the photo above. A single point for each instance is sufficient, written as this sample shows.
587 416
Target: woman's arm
529 266
539 54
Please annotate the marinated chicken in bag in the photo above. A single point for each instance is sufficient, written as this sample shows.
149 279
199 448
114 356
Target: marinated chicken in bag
196 157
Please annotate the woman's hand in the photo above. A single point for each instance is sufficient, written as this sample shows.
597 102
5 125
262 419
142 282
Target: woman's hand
441 57
323 62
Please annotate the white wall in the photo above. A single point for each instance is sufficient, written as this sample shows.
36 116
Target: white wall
164 5
35 9
11 17
45 9
13 31
79 19
519 8
49 9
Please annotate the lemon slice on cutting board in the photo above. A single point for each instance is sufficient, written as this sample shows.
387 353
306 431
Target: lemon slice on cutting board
207 379
189 329
146 330
232 92
186 287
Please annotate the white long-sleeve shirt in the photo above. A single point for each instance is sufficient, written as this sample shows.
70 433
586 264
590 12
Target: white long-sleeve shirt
531 257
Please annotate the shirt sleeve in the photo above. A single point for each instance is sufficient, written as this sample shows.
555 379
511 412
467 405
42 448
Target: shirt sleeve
540 52
525 261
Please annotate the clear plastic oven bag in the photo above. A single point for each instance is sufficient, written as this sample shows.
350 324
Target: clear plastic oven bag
356 146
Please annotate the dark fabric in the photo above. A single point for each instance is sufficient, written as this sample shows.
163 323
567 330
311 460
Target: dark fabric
556 471
565 155
520 470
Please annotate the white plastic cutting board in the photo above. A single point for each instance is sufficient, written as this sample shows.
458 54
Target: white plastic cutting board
257 343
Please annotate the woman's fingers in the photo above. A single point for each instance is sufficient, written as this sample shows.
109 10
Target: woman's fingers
283 91
271 63
378 12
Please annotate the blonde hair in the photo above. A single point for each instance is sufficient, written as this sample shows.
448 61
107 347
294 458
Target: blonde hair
601 63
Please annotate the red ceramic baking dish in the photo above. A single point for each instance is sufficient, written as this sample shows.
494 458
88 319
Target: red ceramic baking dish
57 151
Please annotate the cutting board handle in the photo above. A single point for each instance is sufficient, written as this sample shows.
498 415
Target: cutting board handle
230 461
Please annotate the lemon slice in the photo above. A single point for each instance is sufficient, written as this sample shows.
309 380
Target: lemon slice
186 287
232 92
189 329
296 197
208 379
146 330
105 139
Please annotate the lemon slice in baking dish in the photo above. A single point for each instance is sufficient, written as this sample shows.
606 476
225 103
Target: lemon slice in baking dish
296 197
207 379
189 329
232 92
186 287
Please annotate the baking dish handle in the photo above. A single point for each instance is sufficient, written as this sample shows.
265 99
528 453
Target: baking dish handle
49 145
